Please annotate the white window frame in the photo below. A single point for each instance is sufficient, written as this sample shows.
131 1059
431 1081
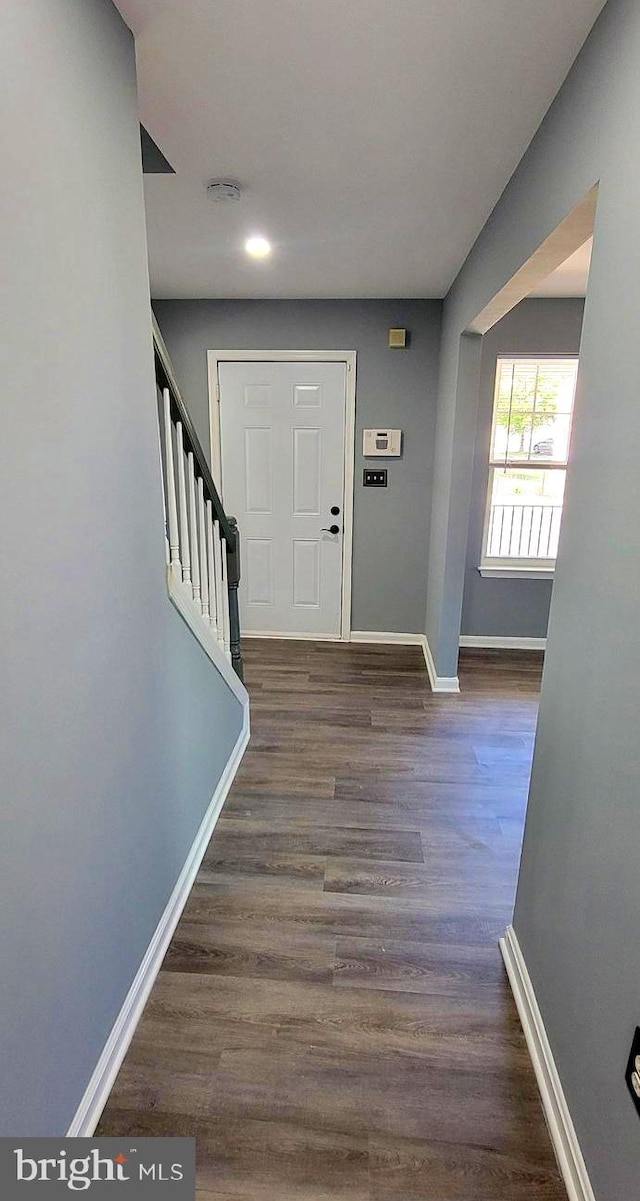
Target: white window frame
512 567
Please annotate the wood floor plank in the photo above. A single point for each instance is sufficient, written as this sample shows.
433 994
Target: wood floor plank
456 1031
442 968
147 1121
400 1168
480 877
173 1080
332 1020
306 871
295 911
226 951
281 1161
358 1094
447 823
360 843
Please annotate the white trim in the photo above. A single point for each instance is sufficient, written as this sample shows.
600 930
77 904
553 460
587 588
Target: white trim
97 1092
348 357
492 642
503 567
182 597
388 638
296 637
355 636
438 683
487 571
372 636
561 1128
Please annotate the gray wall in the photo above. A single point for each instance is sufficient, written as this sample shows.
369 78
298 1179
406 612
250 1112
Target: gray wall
578 903
114 727
394 387
502 607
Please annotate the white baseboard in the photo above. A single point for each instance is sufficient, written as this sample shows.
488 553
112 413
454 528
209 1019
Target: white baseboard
386 637
563 1135
293 637
97 1091
438 683
491 642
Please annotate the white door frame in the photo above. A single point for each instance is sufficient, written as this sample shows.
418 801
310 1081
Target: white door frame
348 357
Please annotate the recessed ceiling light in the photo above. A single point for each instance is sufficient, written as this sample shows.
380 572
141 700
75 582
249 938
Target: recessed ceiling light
258 247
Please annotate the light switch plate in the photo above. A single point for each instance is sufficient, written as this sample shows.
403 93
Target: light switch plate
381 443
374 479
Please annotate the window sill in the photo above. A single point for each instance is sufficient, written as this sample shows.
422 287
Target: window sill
516 573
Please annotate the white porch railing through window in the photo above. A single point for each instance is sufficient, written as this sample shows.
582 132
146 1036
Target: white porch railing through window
521 531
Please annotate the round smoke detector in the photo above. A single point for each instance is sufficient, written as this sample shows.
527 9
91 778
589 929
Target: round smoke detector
223 190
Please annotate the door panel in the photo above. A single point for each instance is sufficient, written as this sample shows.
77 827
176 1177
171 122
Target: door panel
259 571
257 471
306 572
282 429
307 466
257 396
307 396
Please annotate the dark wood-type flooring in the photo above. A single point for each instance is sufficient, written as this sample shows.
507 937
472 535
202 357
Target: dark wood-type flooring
332 1020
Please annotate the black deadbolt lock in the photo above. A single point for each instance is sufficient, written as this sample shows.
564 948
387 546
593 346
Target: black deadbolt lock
334 510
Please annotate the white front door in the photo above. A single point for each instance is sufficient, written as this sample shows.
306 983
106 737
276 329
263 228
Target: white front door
282 429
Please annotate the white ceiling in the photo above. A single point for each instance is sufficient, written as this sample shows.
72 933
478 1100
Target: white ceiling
372 137
571 277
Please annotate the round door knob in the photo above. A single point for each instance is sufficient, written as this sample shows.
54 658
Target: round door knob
333 529
334 510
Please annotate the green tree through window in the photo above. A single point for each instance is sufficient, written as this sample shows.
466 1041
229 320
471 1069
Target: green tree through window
527 399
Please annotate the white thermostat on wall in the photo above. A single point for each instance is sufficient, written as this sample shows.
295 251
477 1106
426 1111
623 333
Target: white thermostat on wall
381 443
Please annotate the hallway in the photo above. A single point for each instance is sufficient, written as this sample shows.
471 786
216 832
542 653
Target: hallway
333 1019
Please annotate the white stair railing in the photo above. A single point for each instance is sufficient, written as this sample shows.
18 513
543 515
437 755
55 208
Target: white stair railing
202 542
217 567
198 548
202 545
193 530
185 555
172 512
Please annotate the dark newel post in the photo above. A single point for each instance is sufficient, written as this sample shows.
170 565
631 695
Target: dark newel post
233 578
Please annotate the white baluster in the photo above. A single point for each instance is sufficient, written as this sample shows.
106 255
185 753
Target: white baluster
174 542
217 562
165 526
226 626
193 530
211 570
202 541
182 509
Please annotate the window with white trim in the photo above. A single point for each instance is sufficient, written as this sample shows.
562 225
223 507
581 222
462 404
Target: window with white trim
530 432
